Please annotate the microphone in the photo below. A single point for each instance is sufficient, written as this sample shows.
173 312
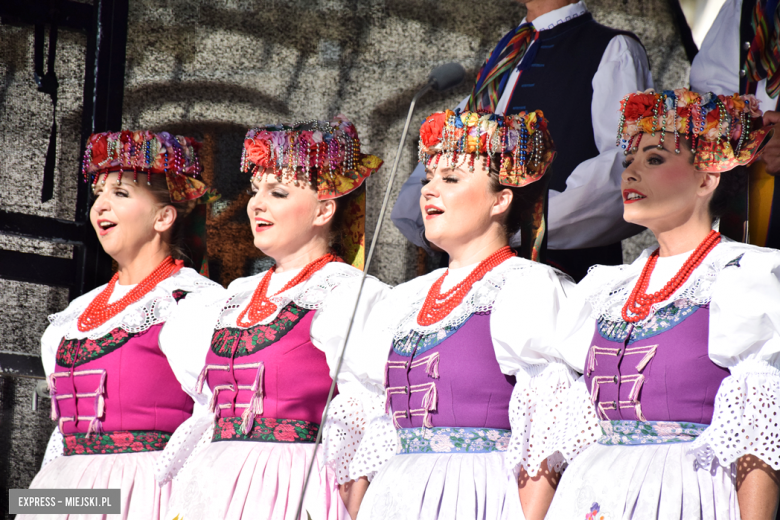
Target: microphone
441 78
446 76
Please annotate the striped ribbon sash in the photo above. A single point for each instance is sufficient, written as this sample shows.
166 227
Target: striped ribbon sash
763 58
493 75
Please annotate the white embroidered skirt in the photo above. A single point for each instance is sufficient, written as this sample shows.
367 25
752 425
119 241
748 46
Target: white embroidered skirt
644 482
452 486
234 480
133 473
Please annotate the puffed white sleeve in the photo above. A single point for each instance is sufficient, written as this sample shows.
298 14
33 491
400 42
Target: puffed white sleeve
716 66
744 336
360 396
589 212
523 323
578 425
185 340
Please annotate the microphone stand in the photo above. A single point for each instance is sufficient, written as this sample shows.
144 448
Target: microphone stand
363 275
428 86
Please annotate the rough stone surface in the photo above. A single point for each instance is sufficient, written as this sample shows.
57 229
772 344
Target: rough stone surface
212 69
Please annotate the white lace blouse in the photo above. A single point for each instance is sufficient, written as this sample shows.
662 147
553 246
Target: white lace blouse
524 298
741 284
332 292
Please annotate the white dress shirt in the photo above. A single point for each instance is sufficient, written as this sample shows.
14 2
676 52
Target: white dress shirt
716 66
589 212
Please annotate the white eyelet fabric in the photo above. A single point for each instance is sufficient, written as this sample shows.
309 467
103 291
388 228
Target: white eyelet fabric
536 410
578 426
191 437
54 448
379 444
348 418
746 419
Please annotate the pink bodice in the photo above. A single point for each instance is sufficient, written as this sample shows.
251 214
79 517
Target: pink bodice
271 371
119 382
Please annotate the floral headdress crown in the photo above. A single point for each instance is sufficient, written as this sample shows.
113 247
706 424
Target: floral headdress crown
325 153
147 153
722 130
522 140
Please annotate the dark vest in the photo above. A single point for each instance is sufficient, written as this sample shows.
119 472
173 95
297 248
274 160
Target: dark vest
572 49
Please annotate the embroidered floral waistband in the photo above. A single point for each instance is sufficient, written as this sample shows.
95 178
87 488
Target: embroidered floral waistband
115 442
617 433
266 429
453 440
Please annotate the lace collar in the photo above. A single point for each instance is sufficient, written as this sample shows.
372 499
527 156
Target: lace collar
310 295
411 296
608 287
155 307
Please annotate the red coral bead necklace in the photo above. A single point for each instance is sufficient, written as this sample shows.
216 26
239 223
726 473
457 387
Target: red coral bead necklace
437 305
99 311
260 306
638 305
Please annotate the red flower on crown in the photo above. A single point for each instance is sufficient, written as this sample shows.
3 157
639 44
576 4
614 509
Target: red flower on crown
430 131
257 151
639 105
99 148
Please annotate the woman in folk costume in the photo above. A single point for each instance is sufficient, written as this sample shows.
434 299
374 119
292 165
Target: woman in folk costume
271 345
118 391
676 413
471 364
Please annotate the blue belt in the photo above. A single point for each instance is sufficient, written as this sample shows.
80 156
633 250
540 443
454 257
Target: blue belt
632 433
453 440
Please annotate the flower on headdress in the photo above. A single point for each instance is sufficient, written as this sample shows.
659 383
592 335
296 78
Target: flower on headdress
257 151
639 105
712 128
472 137
646 125
431 129
345 125
753 105
530 122
734 104
99 149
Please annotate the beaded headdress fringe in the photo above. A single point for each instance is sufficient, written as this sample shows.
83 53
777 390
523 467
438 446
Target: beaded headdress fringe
522 141
723 131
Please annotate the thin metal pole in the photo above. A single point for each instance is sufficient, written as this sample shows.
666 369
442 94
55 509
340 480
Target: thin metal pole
363 275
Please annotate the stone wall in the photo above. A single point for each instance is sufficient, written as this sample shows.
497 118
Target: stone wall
212 69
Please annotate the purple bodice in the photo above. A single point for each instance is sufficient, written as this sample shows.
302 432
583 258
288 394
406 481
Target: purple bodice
456 382
119 382
271 370
659 371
